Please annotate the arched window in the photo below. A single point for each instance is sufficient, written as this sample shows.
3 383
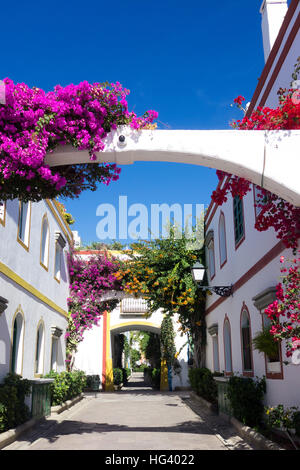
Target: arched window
222 240
17 344
57 266
246 342
227 347
210 254
60 243
39 363
24 224
44 255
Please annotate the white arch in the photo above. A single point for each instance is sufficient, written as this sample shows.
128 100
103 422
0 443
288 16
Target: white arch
135 325
270 159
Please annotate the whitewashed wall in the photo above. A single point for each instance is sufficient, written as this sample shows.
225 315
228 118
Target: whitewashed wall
239 262
26 265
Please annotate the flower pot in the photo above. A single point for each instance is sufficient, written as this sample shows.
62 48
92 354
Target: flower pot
274 367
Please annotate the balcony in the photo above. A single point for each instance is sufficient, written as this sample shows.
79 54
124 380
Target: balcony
132 306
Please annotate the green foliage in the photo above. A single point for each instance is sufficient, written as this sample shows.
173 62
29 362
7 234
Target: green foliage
156 378
246 398
13 410
297 422
167 340
152 377
203 383
152 352
264 343
160 271
118 376
125 375
280 417
66 385
135 356
126 350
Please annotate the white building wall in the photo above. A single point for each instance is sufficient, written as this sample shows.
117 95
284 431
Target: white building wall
254 249
89 355
31 289
267 274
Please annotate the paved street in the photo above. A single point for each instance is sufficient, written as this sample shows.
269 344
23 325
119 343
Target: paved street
136 418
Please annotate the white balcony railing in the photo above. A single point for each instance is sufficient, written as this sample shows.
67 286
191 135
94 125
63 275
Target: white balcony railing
133 306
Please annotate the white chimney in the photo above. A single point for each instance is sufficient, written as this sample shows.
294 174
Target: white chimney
273 13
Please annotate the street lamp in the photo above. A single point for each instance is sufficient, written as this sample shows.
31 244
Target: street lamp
198 271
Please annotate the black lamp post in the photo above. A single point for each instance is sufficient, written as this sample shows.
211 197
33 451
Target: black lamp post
198 271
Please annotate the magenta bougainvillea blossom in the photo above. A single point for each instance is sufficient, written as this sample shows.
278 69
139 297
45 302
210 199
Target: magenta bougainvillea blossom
90 280
33 123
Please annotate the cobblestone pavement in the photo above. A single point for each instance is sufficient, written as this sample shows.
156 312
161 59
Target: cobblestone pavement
135 418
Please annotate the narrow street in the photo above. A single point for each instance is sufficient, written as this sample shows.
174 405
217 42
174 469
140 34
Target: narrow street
135 418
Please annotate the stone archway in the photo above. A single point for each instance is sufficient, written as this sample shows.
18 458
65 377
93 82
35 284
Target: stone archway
257 156
114 324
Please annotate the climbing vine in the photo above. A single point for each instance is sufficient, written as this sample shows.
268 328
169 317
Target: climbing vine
160 271
167 341
89 282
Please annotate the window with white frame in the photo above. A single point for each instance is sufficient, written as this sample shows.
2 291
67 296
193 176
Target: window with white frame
54 349
24 223
60 243
17 344
227 347
38 367
45 243
57 267
210 254
222 240
215 343
246 341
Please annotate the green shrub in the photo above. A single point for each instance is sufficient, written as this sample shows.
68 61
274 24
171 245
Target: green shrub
156 378
66 385
124 375
297 422
118 376
13 410
202 382
246 399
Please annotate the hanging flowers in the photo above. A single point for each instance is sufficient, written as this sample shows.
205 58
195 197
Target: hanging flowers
89 282
275 211
33 123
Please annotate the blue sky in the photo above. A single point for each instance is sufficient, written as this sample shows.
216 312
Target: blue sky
187 60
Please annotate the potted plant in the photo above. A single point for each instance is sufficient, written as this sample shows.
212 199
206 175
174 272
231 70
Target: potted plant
264 343
118 378
282 420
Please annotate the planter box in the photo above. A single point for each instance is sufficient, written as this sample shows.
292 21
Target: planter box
118 387
41 398
223 402
274 367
